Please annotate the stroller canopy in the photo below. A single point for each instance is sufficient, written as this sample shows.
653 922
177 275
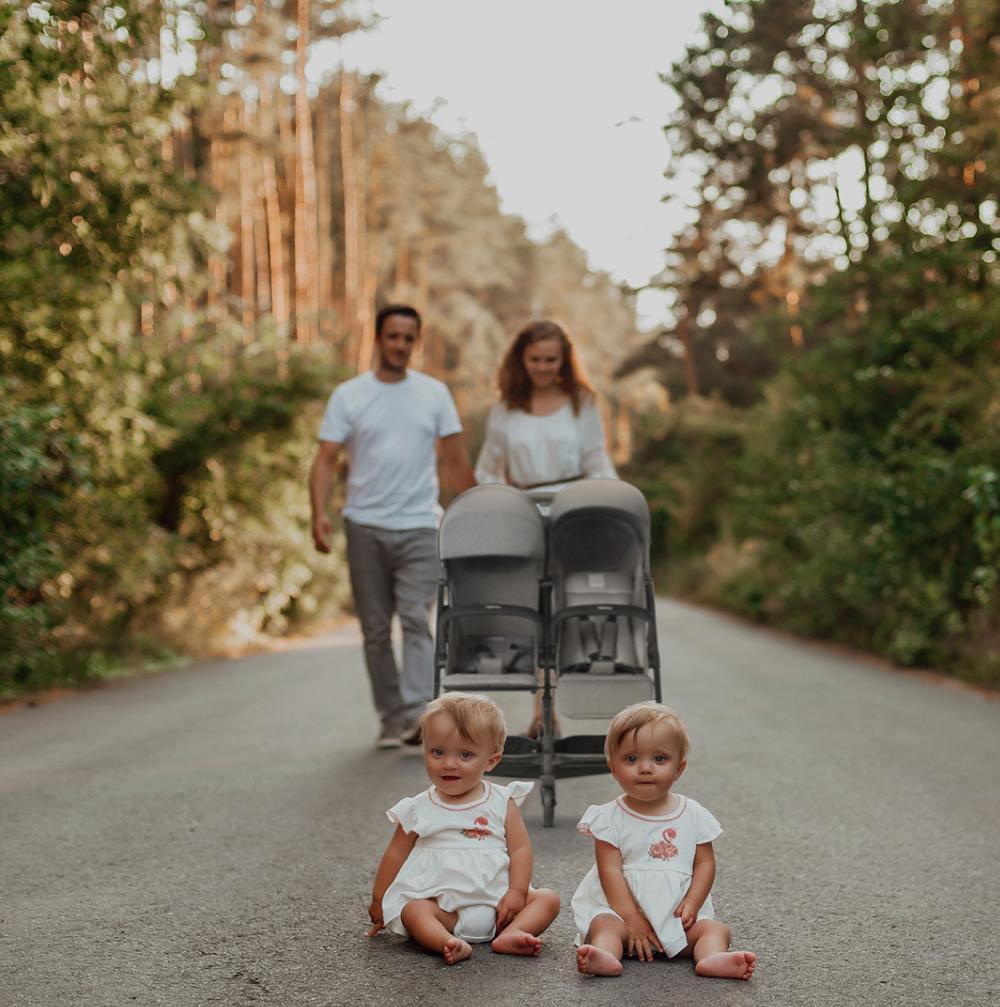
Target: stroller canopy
491 520
599 524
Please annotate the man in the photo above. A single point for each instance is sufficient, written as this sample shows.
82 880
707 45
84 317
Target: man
390 421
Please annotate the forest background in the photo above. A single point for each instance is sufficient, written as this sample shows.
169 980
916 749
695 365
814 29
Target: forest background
193 236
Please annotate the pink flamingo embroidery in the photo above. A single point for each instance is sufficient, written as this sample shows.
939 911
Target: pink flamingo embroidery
482 832
665 849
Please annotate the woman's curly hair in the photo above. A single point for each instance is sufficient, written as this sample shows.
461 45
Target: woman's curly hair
513 380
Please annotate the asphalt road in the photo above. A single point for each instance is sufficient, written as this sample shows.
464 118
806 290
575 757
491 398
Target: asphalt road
209 835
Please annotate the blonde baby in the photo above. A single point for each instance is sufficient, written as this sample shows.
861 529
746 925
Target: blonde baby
649 890
457 870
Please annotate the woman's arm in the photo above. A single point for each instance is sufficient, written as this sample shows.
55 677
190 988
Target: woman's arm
594 459
642 937
491 465
702 879
519 851
392 860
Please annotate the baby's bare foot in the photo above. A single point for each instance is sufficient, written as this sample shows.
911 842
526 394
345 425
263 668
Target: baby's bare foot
456 950
517 942
727 965
593 961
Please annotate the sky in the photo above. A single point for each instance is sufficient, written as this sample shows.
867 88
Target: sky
565 101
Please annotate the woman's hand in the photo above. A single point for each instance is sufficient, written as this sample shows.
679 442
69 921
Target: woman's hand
375 914
642 940
509 906
687 912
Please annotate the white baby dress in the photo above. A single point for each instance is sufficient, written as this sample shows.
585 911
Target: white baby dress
657 858
460 857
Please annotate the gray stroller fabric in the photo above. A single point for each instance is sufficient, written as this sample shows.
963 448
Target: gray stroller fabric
599 555
492 548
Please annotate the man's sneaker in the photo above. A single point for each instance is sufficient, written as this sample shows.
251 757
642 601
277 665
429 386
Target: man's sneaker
410 734
388 737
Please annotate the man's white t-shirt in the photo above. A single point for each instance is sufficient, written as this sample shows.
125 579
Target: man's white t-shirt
389 429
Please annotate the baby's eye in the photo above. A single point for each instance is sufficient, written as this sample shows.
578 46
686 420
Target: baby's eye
466 755
437 752
630 760
660 759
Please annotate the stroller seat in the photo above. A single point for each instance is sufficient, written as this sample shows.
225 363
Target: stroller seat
492 549
602 598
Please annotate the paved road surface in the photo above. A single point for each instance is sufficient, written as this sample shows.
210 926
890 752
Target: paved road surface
209 835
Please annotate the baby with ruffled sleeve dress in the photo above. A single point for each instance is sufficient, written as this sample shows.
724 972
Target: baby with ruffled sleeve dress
457 870
649 889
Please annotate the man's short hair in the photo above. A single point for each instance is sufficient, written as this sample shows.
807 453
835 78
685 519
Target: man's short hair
396 309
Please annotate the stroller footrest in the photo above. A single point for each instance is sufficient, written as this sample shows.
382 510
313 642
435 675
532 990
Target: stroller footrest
504 682
581 744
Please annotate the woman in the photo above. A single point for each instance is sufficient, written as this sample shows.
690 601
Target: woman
546 430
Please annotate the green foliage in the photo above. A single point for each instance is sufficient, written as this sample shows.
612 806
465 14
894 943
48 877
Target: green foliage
34 473
687 470
860 501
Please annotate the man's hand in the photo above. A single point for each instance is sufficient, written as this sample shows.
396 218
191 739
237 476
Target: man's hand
322 533
642 939
509 906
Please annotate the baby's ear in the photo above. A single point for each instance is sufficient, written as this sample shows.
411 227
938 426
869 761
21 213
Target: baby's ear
493 760
682 767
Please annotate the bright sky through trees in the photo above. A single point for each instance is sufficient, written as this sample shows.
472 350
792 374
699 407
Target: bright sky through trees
565 100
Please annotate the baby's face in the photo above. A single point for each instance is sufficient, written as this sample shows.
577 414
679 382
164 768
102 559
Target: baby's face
648 762
455 764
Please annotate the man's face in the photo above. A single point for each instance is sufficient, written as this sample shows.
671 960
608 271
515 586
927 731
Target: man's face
396 341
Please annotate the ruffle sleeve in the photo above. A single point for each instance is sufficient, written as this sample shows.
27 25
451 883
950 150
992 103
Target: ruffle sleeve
594 458
708 827
406 814
491 465
597 822
517 791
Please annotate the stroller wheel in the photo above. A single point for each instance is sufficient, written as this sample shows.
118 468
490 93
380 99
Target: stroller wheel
548 804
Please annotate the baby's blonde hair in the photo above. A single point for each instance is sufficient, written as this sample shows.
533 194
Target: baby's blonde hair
473 716
639 715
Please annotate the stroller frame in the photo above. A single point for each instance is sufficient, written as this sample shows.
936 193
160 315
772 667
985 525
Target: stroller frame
546 757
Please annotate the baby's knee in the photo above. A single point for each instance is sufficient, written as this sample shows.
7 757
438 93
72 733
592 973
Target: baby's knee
718 929
549 898
606 923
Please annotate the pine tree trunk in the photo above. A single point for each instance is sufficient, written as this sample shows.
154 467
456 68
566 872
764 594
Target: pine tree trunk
690 373
275 227
351 217
247 264
305 189
259 220
324 187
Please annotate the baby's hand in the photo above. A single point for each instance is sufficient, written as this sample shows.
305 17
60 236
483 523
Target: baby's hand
642 939
509 906
375 913
687 912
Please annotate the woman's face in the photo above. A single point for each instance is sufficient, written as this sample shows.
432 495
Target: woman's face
543 361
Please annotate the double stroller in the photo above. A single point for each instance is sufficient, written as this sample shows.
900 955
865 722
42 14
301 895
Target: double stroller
529 601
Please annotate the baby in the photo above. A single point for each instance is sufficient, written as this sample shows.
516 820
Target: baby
457 870
649 890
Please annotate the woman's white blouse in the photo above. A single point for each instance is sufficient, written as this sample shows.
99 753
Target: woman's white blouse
526 450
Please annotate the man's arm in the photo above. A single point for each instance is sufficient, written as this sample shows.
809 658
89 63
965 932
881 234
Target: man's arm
320 483
457 470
